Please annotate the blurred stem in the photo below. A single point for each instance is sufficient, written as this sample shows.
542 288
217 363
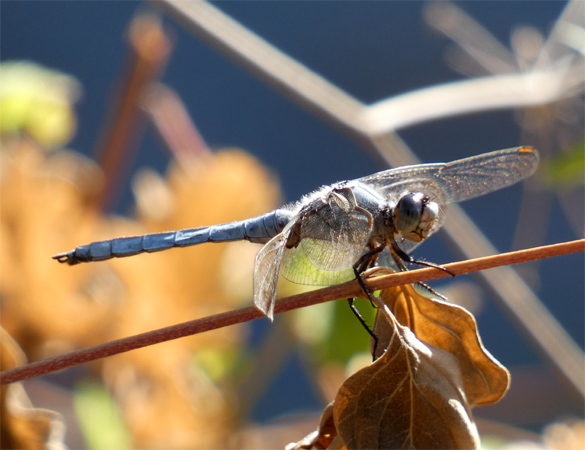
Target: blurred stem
150 49
341 291
173 124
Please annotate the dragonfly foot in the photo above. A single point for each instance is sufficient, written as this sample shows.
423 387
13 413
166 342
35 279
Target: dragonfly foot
430 264
431 291
399 253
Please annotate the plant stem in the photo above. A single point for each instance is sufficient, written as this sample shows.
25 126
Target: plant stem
344 290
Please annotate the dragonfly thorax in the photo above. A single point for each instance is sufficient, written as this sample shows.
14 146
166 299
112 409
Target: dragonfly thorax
415 216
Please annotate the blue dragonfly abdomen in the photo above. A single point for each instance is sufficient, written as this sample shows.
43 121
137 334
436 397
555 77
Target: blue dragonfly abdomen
256 229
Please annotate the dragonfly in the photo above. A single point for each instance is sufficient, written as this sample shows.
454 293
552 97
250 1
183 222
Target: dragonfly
334 233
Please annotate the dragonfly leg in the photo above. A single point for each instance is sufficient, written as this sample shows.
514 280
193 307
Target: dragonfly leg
362 264
363 322
426 287
397 251
367 260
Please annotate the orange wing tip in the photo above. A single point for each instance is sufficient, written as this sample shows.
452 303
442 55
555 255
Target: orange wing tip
527 149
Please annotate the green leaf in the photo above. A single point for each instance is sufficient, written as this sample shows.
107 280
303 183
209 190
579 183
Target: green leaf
99 417
567 169
37 101
347 335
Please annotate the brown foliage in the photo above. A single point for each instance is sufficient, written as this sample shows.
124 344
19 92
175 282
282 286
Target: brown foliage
430 371
22 425
169 394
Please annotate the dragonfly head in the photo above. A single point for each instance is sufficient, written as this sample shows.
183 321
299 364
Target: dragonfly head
415 216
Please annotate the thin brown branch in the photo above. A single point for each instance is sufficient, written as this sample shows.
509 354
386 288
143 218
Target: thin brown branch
477 264
150 49
345 290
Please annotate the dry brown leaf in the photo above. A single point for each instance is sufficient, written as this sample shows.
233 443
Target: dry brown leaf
411 397
22 425
324 437
453 329
166 398
430 370
47 207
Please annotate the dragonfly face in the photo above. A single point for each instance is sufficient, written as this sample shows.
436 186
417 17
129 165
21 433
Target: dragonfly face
415 216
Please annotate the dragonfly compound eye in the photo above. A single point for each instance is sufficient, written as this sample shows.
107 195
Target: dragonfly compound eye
408 212
427 221
415 216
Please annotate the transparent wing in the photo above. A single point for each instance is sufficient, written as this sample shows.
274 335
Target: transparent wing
266 272
471 177
462 179
297 268
331 240
456 181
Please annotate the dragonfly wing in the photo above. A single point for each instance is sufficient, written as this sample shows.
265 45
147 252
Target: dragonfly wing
297 267
471 177
266 273
462 179
385 182
445 183
331 241
337 245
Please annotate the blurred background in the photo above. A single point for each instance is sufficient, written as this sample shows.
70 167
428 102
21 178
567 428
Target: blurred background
133 84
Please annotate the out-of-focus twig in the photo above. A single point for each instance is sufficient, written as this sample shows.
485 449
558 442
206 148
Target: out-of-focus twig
550 126
331 103
467 96
345 290
486 51
269 64
572 36
173 124
116 148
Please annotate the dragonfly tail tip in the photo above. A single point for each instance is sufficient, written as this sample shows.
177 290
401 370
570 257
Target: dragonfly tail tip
64 258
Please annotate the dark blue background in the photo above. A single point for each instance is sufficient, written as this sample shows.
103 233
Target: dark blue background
372 50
